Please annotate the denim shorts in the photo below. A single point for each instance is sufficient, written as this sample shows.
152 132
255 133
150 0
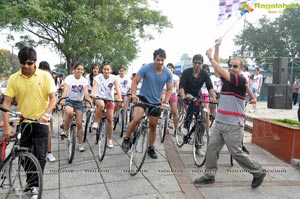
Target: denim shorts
78 105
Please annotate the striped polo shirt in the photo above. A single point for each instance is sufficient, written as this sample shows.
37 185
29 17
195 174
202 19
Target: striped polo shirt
231 108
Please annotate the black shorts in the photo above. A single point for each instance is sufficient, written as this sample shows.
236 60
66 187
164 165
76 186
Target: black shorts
153 111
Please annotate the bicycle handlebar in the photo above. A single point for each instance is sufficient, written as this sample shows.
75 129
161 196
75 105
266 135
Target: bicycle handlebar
101 98
17 114
194 99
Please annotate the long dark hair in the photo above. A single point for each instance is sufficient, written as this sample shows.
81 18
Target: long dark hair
92 75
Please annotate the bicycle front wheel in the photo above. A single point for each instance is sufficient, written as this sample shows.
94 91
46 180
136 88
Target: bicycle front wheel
163 125
138 150
71 143
122 122
87 124
102 140
26 176
201 138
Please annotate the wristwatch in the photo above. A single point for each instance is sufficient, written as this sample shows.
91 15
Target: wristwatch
166 102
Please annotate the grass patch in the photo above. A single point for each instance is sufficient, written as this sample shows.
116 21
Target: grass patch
288 121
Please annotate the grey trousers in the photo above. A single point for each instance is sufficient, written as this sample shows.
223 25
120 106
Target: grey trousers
232 136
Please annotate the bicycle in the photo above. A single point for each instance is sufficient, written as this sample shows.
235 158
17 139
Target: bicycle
163 124
89 119
72 133
101 132
120 118
21 168
140 141
198 134
181 107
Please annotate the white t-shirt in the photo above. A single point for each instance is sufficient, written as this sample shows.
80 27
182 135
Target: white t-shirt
105 87
217 83
204 89
75 87
255 81
175 78
124 84
247 75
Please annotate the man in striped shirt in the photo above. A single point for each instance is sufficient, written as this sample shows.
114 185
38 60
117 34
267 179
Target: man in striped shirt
229 126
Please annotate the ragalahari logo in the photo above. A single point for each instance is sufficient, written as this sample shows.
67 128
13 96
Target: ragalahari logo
246 8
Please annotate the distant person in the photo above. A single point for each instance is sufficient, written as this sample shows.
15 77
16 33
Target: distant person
173 99
46 67
296 89
256 84
90 77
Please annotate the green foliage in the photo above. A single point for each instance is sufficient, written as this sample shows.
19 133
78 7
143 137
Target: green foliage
89 30
271 38
288 121
8 63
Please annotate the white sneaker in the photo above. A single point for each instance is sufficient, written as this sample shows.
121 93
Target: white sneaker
81 148
95 125
50 157
34 192
184 131
110 144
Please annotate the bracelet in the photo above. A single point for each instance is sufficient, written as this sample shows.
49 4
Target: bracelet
46 115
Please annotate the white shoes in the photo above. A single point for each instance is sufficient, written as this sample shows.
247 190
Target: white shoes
81 148
51 157
110 144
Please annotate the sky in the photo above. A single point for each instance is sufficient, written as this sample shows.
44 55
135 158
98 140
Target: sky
194 31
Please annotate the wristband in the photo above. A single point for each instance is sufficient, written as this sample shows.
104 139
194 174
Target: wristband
46 115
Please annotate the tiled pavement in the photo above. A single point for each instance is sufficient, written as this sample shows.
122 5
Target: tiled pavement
169 176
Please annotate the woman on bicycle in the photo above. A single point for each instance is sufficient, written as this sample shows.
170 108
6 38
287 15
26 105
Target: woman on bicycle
104 86
90 77
76 89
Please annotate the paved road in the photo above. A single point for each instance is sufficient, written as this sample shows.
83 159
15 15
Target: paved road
169 176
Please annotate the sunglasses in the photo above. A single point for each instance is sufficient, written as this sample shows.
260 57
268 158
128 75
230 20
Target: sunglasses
234 66
105 62
197 62
29 63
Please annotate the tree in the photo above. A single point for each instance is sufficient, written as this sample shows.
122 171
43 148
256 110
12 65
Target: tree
93 30
8 63
271 38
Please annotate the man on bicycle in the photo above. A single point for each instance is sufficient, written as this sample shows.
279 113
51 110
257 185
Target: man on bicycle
191 81
34 91
155 76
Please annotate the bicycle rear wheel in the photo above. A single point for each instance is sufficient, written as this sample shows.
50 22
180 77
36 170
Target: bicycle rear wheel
25 175
87 124
201 138
102 139
162 128
138 150
71 143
